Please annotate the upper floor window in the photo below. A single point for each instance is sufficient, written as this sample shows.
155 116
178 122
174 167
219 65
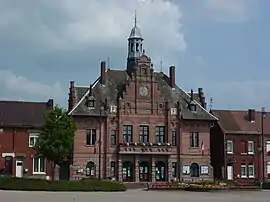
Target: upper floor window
250 147
33 139
160 134
192 107
144 134
229 146
127 133
174 138
194 139
91 136
113 137
91 103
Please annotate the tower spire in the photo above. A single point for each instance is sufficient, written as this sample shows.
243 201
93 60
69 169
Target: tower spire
135 19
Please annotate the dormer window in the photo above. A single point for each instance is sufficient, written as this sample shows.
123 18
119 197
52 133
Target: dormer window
192 107
91 102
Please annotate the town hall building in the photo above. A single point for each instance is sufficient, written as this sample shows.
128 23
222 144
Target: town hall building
136 124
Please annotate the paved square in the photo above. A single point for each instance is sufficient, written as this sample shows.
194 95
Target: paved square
136 195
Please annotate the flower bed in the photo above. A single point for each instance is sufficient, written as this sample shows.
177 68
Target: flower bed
24 184
166 186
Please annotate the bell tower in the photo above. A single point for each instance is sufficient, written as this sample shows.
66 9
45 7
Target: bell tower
135 47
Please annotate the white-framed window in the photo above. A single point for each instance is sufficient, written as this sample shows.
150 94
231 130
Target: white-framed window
251 171
32 139
186 170
250 147
229 147
204 170
243 170
38 165
268 146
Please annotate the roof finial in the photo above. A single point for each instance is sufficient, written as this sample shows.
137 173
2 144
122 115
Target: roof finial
135 19
211 103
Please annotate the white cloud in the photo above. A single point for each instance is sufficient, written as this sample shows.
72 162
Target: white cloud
68 24
19 84
228 10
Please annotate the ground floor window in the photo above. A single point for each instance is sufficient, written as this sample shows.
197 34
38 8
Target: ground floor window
174 169
243 170
251 171
38 164
144 171
113 169
160 171
127 171
194 170
268 169
90 169
204 170
186 170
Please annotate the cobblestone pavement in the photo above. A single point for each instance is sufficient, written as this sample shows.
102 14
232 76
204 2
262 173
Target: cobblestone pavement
137 195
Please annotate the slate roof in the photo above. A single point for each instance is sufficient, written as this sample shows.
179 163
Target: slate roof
235 121
116 80
23 114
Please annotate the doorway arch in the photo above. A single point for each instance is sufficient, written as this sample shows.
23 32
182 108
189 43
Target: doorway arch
127 171
194 170
144 171
91 169
160 171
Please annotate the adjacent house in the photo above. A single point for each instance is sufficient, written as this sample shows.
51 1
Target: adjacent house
237 152
136 124
20 124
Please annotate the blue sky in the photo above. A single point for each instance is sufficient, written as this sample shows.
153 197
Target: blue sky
220 45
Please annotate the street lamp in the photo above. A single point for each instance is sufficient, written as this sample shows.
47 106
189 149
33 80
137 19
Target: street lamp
263 116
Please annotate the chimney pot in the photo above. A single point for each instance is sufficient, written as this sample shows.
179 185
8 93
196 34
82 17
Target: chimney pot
172 76
72 83
103 73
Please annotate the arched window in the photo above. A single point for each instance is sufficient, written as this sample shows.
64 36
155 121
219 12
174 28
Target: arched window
144 171
160 171
127 171
132 47
194 170
91 169
137 47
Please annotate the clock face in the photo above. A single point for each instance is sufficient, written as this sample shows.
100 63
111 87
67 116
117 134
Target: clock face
143 91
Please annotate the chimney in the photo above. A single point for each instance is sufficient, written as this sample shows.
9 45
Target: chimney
251 115
49 104
202 97
172 77
71 99
103 73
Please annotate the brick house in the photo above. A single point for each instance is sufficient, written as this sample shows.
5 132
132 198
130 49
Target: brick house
20 124
138 125
236 151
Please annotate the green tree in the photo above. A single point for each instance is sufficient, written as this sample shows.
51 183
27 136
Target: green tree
55 141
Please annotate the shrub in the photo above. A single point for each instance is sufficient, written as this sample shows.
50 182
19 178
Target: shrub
24 184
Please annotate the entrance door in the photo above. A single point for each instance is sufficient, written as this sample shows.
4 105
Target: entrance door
19 168
230 172
8 165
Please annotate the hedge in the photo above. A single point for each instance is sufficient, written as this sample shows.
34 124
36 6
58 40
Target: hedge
26 184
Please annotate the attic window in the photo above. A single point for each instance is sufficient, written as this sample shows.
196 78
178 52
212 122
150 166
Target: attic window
90 103
192 107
